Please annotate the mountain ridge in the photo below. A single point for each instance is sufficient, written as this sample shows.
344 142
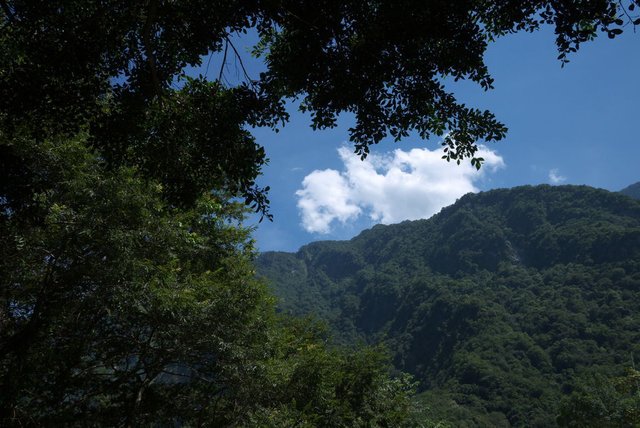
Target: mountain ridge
378 235
501 302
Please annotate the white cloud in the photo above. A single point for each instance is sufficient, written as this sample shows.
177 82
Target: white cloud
325 197
555 177
387 188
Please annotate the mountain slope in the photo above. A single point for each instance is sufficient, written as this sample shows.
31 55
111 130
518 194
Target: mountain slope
632 191
498 305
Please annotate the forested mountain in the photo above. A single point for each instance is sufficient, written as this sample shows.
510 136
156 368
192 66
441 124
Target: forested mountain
633 190
508 306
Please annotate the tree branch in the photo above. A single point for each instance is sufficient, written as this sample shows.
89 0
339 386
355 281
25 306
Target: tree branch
224 60
244 70
148 47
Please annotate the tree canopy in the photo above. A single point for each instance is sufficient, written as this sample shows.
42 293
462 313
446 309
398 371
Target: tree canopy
110 67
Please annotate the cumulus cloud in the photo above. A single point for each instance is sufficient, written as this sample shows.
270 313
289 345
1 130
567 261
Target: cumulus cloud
401 185
555 177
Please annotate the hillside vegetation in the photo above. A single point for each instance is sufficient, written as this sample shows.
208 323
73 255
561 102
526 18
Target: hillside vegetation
511 307
632 190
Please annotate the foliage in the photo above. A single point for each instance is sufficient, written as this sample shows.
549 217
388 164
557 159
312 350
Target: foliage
496 305
105 289
320 387
599 401
111 66
387 62
119 309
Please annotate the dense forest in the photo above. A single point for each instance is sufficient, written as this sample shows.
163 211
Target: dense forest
510 307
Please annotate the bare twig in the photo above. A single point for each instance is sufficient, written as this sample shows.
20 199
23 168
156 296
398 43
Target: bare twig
630 18
239 58
206 72
224 60
624 9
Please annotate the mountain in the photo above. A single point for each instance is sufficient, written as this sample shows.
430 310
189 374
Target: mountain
502 306
633 190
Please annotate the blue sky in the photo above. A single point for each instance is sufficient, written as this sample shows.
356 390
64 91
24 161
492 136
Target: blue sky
573 125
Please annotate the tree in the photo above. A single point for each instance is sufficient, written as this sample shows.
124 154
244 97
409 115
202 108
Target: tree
113 295
119 309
